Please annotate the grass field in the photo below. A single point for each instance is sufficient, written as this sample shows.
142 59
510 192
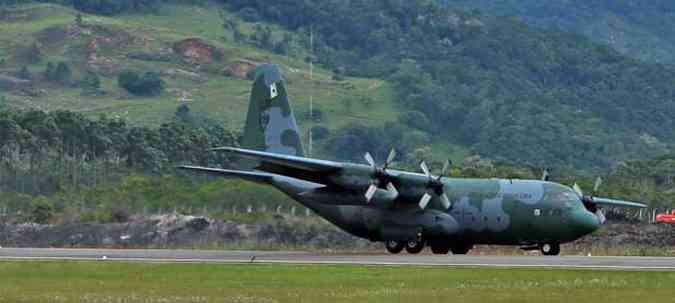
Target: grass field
136 282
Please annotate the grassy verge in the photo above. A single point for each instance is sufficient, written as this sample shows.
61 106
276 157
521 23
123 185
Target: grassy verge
133 282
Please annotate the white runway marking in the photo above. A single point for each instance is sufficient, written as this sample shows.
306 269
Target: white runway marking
281 257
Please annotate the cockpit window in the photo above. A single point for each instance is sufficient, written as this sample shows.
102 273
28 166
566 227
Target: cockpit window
571 199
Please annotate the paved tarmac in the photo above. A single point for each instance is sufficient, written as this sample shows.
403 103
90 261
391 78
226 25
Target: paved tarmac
288 257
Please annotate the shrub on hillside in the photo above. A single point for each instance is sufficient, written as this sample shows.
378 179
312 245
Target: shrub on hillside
146 84
42 210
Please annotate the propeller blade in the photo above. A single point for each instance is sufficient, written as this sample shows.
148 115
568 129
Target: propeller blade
425 169
445 201
425 201
390 158
578 190
392 190
446 165
370 192
598 182
601 216
369 159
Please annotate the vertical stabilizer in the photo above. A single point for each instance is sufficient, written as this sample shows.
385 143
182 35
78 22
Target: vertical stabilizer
270 123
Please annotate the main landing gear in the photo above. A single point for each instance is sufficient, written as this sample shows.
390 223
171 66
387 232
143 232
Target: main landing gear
394 247
415 247
412 246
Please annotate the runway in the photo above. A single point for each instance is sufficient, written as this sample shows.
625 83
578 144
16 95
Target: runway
288 257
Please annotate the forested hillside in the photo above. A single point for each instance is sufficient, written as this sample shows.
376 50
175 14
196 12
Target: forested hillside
508 90
89 95
641 29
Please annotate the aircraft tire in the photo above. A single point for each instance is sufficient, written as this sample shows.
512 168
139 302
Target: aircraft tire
394 247
414 247
440 249
550 249
460 250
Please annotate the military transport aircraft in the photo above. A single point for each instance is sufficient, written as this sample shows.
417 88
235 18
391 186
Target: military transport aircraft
406 210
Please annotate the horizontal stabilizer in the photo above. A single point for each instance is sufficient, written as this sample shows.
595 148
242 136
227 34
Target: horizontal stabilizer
617 203
259 177
306 164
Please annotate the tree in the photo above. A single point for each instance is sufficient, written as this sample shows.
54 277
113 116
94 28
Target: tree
183 112
3 103
147 84
42 210
30 54
262 37
91 84
63 74
78 19
25 74
50 71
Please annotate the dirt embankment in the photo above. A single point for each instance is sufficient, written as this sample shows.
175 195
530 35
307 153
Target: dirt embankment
279 232
183 231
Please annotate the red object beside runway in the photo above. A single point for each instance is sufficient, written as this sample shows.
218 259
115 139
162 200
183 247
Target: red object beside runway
666 218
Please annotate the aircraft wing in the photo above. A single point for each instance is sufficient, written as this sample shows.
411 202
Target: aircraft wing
617 203
260 177
286 161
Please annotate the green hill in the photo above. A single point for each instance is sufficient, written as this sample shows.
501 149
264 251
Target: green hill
150 42
641 29
427 80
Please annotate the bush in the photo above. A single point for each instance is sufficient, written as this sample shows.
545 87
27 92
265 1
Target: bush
147 84
91 85
42 210
30 54
25 74
249 14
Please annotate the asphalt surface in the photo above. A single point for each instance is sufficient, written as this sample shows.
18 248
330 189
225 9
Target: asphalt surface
286 257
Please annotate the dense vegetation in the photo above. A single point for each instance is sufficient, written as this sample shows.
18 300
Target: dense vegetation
643 29
44 152
506 89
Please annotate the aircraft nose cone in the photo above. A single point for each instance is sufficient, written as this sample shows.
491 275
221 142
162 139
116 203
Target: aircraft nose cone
585 222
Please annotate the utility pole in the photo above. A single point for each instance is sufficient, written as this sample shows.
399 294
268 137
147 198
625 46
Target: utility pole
311 89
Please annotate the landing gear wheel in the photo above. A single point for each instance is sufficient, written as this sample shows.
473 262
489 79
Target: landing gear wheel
440 249
460 250
550 249
414 247
394 247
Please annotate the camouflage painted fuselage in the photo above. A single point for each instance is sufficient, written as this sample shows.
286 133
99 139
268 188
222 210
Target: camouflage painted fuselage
483 211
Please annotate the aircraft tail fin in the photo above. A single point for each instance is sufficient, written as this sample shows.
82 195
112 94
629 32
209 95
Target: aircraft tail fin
270 123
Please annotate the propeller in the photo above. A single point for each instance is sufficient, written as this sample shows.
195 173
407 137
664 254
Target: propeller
594 203
434 187
379 176
545 176
589 201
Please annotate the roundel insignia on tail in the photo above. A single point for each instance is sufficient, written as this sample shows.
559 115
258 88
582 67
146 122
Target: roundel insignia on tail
273 91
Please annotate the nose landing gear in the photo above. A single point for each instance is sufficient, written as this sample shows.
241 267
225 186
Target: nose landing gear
550 249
